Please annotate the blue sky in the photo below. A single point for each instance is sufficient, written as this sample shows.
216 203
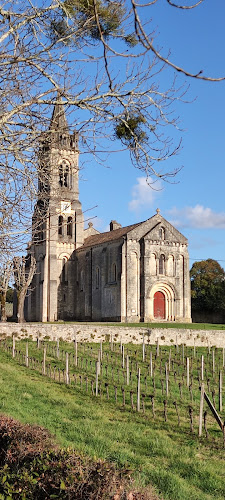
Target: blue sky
195 201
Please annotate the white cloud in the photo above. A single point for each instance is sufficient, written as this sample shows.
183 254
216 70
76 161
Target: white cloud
144 194
198 217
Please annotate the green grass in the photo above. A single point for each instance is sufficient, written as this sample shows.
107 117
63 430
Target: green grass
190 326
178 464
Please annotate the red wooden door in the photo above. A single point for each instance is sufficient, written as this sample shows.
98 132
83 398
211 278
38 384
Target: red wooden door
159 306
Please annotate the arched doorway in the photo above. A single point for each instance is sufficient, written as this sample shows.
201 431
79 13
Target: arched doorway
159 306
160 302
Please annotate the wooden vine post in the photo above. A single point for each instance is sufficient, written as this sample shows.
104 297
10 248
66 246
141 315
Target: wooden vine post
143 348
99 360
213 362
75 352
44 361
151 364
187 361
202 367
67 368
157 350
201 410
14 346
128 371
220 391
96 379
123 359
167 379
27 355
139 390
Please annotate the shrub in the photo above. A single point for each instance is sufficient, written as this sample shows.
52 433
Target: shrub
33 466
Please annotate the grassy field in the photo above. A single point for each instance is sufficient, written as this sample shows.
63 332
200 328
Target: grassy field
171 458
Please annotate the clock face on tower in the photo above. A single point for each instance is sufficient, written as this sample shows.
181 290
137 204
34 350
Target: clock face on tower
66 207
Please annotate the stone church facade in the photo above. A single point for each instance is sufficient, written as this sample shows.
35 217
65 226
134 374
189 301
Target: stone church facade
129 274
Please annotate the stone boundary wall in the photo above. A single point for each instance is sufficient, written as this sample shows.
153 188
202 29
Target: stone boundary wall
96 333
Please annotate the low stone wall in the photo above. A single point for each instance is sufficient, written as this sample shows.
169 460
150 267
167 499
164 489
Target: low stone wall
96 333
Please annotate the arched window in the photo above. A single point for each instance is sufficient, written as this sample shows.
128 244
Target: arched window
97 277
63 139
162 264
70 227
64 175
61 175
60 225
161 233
114 272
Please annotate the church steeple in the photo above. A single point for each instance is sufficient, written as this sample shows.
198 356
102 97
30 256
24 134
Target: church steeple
58 216
58 120
58 134
58 158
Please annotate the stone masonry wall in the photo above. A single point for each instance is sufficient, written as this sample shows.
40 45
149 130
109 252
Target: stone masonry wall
96 333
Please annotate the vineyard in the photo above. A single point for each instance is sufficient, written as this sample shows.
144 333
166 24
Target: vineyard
164 384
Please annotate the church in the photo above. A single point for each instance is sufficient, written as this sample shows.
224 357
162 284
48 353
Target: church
137 273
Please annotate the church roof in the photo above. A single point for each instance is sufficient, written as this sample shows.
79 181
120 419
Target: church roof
58 120
98 239
144 228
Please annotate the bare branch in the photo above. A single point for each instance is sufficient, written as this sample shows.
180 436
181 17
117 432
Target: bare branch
147 43
185 6
108 73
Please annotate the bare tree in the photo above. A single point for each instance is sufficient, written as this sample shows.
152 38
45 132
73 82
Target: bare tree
100 58
24 270
5 275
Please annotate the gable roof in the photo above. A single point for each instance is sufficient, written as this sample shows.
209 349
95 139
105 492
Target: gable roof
144 228
98 239
150 224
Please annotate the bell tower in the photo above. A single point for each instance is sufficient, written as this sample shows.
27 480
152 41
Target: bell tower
57 227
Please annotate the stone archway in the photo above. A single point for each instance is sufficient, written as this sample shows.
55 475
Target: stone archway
160 304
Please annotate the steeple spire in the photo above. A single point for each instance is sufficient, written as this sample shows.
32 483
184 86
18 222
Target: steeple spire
58 120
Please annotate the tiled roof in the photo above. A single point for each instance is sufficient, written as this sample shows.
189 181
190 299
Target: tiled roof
98 239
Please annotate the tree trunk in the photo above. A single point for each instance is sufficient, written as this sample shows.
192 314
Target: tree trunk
20 313
3 308
23 280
